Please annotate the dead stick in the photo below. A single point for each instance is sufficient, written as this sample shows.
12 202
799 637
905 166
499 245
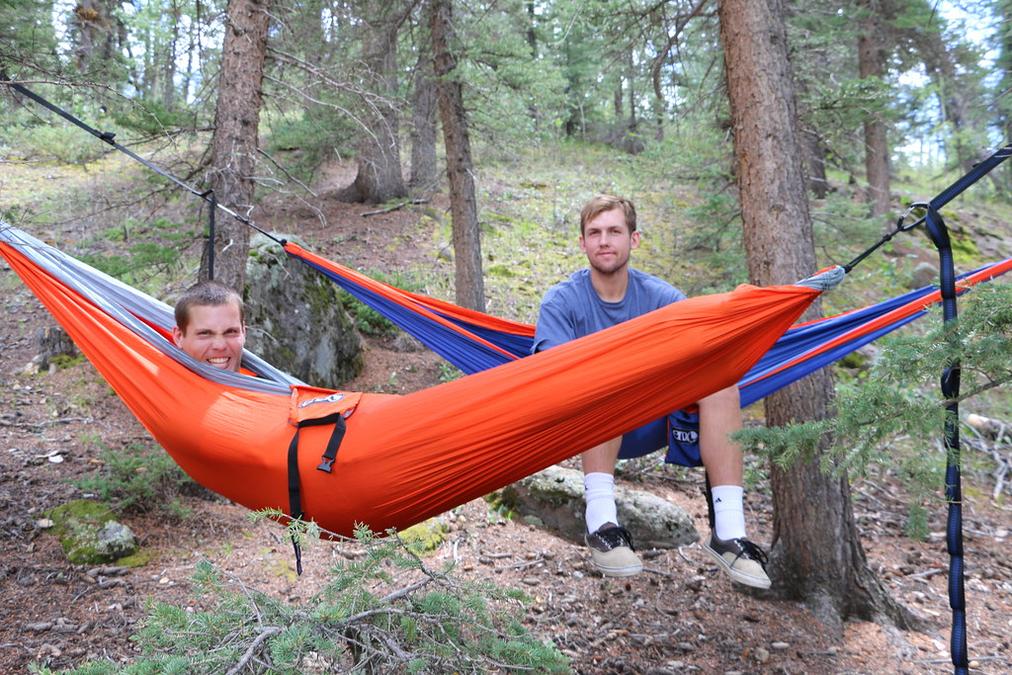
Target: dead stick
395 207
253 648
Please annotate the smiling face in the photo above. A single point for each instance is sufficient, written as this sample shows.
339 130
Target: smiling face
607 241
214 334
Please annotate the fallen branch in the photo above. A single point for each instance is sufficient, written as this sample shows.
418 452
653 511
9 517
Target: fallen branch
253 649
395 207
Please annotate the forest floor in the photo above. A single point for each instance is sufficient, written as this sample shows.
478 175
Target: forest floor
679 615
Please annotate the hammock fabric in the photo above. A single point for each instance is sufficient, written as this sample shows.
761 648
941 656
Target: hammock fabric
474 341
403 458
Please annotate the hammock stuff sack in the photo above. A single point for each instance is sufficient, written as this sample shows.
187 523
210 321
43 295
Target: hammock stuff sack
401 459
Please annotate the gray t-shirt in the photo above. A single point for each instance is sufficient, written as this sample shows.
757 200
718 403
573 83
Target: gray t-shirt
572 308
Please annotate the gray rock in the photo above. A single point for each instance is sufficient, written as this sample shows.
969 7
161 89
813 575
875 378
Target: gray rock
405 343
923 275
296 319
53 343
555 495
115 540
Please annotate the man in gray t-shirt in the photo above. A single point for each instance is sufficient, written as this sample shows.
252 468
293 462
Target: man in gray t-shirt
610 292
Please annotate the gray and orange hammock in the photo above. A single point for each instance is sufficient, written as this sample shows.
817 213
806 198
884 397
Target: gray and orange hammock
266 440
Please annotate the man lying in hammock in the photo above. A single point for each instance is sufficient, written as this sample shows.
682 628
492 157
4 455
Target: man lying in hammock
210 326
607 293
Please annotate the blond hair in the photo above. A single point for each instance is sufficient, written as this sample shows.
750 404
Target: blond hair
602 203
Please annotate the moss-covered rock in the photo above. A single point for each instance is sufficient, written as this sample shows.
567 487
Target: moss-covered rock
296 318
424 537
555 498
89 534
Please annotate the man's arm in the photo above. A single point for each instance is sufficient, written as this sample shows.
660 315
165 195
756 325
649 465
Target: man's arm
555 324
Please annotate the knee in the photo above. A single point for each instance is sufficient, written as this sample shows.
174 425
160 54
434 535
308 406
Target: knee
727 398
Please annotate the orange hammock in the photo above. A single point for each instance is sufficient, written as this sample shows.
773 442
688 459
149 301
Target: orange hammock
403 458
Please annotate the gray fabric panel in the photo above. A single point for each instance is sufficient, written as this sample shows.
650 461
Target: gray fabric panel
125 304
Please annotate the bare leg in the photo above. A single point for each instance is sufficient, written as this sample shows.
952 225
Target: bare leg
720 416
602 458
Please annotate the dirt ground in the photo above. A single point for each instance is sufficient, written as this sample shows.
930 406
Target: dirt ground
680 615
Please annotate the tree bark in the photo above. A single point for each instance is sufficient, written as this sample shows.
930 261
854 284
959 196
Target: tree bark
169 85
423 124
815 160
234 144
470 285
96 33
817 555
871 64
379 176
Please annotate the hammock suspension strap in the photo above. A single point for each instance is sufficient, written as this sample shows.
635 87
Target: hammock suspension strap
110 138
950 436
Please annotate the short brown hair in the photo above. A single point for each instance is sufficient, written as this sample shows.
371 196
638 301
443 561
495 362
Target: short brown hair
205 294
602 203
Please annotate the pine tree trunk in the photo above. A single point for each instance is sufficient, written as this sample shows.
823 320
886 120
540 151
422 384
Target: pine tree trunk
871 63
470 285
423 125
817 555
379 176
169 85
815 160
234 144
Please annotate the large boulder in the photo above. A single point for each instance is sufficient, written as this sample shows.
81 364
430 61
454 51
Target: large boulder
296 320
555 497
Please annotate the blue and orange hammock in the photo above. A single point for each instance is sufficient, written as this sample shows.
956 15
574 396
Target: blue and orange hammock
340 458
474 341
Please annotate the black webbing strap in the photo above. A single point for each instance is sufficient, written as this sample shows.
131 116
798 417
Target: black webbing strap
295 483
950 436
210 234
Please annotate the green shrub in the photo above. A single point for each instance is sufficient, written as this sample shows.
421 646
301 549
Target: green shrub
55 142
138 479
152 118
383 612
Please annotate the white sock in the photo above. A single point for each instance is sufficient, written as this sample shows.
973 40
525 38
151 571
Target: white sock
728 511
599 493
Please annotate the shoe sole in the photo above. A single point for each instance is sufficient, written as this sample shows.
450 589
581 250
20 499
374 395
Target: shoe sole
735 575
628 571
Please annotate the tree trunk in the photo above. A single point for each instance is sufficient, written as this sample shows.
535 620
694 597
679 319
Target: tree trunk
234 144
871 64
470 285
193 35
631 76
379 177
423 125
815 160
96 34
1004 12
817 555
169 86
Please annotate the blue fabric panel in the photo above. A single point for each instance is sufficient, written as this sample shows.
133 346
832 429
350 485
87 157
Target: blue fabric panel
518 345
458 349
